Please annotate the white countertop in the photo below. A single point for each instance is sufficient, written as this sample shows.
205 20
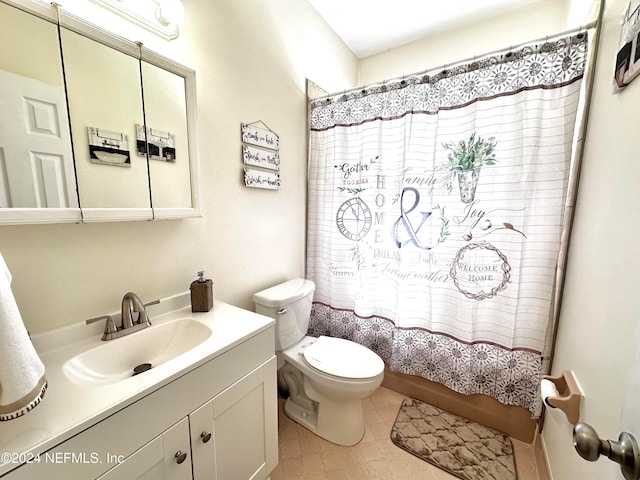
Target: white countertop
69 407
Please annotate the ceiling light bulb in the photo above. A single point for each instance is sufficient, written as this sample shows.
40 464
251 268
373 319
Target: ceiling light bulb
170 11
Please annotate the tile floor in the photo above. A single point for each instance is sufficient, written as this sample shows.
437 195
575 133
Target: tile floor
304 456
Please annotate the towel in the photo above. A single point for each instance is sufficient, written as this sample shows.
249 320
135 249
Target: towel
22 374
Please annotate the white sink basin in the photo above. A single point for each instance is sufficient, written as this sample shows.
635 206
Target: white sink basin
115 360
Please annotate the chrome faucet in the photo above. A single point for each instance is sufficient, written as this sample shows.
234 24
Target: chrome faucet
131 304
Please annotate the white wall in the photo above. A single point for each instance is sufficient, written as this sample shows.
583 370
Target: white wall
251 59
601 306
529 23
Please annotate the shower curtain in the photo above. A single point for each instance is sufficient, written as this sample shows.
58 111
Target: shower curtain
436 209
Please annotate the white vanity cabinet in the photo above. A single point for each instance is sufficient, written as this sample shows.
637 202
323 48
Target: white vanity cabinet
222 414
229 437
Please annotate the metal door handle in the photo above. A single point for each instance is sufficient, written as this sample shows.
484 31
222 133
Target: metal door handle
625 451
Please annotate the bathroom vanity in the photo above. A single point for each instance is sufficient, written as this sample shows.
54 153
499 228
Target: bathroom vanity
208 410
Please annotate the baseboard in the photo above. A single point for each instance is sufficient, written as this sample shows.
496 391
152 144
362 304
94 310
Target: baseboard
511 420
542 461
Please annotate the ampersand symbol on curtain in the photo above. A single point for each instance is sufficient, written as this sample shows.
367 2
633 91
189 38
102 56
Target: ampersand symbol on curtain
406 221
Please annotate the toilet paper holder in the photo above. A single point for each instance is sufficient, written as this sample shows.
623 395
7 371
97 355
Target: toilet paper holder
569 395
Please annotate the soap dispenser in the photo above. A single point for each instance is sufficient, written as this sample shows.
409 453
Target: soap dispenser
201 294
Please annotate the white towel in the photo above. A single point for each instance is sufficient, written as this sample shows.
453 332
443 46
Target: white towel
22 375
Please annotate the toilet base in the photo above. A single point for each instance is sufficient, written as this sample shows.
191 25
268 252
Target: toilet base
341 423
330 407
305 417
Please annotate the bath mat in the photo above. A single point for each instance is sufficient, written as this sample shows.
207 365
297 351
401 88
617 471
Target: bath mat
459 446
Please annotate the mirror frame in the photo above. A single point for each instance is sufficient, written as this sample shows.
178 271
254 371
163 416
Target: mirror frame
57 16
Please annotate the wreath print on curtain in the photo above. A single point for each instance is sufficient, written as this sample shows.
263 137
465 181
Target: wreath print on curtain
435 216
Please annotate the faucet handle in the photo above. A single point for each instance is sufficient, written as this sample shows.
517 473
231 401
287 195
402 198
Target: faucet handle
143 316
110 325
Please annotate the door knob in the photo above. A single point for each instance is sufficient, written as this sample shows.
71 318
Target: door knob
625 451
205 436
180 457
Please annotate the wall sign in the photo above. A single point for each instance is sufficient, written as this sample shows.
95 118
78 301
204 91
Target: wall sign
628 57
261 138
261 179
162 145
260 156
108 148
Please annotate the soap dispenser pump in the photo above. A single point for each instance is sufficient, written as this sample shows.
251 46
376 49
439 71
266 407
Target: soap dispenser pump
201 294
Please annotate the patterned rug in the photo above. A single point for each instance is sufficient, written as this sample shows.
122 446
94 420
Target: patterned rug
452 443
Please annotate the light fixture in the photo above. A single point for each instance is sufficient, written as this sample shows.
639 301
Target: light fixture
169 11
161 17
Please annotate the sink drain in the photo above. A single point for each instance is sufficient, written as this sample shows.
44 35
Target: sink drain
143 367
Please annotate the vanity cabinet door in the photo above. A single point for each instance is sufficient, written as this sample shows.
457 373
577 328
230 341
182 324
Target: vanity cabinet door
202 444
166 457
243 420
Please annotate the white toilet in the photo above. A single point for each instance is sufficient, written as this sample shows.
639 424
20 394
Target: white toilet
326 377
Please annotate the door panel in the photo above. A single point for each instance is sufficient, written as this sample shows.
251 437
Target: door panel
202 447
245 422
37 164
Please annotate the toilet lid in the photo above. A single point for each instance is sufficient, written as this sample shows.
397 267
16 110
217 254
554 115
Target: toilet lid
343 358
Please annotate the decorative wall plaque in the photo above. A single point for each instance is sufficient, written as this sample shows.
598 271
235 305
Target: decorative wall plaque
260 156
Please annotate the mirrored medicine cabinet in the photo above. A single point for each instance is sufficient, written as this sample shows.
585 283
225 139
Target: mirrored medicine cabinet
92 127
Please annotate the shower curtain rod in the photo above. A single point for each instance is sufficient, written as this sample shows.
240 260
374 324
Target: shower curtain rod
579 29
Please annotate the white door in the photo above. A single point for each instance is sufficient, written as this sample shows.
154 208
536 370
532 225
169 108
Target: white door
36 163
630 414
245 428
166 457
202 443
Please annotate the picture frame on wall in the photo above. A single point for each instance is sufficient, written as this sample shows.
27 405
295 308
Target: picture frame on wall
161 145
628 57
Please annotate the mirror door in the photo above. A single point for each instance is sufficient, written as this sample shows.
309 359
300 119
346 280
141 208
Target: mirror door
105 106
37 179
169 100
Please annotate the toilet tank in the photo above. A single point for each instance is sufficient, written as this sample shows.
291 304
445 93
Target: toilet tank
290 305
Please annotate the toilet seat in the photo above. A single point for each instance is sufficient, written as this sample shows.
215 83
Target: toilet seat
343 358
